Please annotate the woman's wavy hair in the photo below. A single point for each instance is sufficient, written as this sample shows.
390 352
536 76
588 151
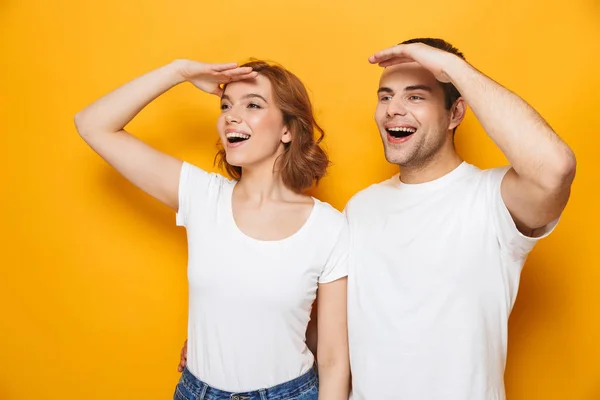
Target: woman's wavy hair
303 161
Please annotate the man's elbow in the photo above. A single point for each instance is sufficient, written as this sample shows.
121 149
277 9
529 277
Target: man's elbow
567 165
561 171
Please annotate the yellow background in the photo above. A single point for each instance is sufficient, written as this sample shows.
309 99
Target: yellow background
92 285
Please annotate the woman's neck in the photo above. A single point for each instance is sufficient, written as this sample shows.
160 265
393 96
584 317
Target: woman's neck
263 183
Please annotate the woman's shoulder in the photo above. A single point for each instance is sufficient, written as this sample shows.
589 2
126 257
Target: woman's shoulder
328 215
197 174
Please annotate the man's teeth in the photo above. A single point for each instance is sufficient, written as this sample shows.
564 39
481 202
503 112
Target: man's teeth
402 129
237 135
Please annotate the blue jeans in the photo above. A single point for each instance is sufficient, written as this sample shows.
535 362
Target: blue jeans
305 387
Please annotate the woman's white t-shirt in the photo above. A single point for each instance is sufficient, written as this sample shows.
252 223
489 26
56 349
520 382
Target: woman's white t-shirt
250 300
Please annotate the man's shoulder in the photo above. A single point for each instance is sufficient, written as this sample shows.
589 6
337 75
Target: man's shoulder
372 193
494 174
472 178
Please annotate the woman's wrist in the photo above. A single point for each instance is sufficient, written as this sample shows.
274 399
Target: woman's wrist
179 70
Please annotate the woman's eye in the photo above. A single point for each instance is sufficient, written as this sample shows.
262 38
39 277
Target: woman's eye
253 105
224 107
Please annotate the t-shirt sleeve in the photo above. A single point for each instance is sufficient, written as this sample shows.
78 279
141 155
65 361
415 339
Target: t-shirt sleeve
194 186
512 242
336 266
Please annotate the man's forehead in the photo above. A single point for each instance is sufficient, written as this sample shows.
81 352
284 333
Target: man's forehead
409 74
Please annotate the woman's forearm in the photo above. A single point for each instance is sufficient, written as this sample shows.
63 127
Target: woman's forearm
112 112
334 379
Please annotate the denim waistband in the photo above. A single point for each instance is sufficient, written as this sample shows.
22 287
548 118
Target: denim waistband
282 391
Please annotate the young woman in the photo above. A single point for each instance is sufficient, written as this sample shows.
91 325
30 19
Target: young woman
259 248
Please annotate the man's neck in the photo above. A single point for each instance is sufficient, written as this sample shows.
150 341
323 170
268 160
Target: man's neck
431 170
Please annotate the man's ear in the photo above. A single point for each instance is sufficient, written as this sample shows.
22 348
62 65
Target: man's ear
458 111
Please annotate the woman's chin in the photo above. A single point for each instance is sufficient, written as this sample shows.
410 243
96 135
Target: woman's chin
235 160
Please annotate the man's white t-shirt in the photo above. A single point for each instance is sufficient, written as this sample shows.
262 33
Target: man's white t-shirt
434 273
250 300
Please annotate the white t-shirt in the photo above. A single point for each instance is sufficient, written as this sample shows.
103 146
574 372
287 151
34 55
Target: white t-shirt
250 300
434 273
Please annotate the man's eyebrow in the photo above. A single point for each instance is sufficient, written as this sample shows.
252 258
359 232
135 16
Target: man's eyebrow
418 87
384 89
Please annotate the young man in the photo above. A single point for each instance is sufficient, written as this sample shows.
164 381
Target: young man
438 249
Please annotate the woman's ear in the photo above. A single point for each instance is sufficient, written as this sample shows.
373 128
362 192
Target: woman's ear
286 137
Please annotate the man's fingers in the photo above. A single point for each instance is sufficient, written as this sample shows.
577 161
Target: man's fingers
386 54
401 51
395 60
182 362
